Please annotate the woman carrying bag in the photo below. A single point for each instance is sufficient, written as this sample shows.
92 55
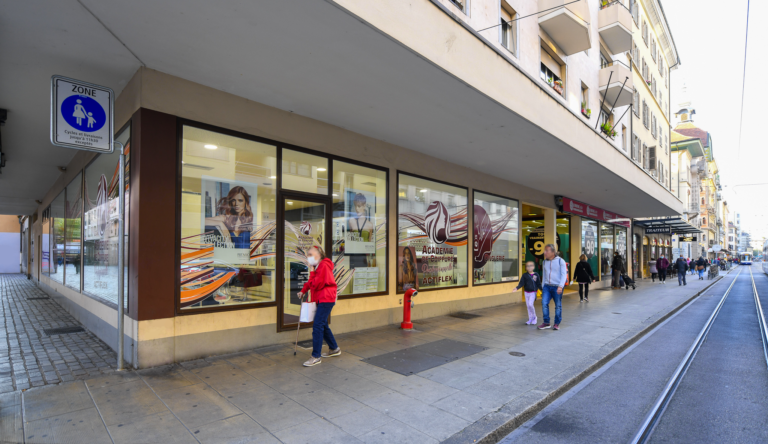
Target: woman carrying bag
323 287
584 276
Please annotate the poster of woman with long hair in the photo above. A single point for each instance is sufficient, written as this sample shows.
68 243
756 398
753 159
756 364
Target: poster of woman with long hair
407 275
228 218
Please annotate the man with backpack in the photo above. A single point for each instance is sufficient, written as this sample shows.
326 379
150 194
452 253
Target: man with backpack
701 265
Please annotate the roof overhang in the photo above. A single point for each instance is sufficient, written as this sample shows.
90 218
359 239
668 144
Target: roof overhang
677 225
369 69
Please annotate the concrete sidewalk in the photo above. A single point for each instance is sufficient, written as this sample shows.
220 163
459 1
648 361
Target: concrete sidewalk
265 395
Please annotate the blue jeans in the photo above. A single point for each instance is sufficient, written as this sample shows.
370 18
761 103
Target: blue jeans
549 292
681 277
321 330
701 274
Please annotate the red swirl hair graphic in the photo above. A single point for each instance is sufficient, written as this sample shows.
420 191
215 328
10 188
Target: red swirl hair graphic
305 228
438 225
486 232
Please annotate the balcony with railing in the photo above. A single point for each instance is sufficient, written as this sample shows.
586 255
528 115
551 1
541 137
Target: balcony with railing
567 23
616 84
615 26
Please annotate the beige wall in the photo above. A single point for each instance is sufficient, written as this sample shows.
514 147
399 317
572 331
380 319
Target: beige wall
9 224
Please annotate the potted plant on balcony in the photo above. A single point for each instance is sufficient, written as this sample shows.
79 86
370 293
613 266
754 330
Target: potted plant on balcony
604 4
608 130
584 110
648 82
558 86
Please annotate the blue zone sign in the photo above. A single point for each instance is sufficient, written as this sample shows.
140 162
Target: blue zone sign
81 115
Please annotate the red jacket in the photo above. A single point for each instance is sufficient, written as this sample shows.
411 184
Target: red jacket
662 263
322 283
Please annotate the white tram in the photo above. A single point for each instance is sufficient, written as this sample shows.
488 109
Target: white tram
745 258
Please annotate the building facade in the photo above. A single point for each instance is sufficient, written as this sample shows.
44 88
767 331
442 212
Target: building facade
368 132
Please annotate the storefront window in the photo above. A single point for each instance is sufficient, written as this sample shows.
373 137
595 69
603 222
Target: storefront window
431 234
646 256
359 228
228 220
621 245
589 244
57 238
636 255
73 225
100 223
45 243
606 249
495 239
564 243
304 172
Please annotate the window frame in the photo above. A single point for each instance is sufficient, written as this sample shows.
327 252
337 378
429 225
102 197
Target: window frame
279 194
511 26
469 254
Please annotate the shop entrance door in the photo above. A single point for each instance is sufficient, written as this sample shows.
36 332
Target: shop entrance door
305 225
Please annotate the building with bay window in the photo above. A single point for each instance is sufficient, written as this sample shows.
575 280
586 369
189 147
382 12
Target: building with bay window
365 130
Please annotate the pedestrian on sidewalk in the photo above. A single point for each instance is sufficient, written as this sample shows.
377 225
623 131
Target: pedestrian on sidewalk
692 266
661 266
617 269
555 273
531 284
584 276
654 270
701 265
681 266
322 284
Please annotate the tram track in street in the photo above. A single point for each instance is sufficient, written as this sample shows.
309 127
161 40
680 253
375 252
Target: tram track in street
653 418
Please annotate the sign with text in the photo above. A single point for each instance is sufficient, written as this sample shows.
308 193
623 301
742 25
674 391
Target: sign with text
658 230
577 208
688 239
81 115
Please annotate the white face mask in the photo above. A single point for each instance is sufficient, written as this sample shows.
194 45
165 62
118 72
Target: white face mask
312 261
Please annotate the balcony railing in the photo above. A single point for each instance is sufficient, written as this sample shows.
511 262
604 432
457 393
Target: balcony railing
567 24
616 84
615 27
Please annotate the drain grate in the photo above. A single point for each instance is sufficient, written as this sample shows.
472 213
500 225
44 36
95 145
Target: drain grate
305 344
38 298
616 312
517 354
62 330
463 315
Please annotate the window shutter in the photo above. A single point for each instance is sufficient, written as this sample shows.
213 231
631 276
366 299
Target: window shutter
652 156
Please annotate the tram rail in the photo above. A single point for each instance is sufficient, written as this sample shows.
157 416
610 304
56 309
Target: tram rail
659 407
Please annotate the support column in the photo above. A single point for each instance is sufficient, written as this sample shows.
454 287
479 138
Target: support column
575 242
550 226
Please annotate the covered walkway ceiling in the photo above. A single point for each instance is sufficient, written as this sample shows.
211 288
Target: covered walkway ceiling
310 57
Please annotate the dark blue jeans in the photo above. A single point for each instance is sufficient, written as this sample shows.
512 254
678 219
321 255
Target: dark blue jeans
681 277
549 292
321 330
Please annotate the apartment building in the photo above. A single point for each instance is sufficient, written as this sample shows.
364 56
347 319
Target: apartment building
366 128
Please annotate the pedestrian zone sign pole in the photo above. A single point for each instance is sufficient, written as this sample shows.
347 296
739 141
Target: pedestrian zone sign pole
82 118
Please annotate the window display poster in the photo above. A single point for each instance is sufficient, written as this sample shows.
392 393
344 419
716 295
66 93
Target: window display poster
535 247
407 269
366 280
494 243
228 219
360 226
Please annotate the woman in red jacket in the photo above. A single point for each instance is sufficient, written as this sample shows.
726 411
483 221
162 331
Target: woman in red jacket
323 286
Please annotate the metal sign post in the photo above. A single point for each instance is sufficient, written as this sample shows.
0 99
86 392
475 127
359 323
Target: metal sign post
82 117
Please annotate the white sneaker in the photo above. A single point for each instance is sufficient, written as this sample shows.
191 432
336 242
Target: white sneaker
312 361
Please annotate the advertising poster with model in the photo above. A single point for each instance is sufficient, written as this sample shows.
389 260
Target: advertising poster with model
407 273
228 217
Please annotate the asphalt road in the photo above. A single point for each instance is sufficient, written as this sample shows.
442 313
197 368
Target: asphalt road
723 397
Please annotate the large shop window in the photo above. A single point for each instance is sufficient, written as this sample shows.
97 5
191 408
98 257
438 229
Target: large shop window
495 251
621 245
228 219
304 172
45 243
58 213
100 223
589 236
360 227
72 227
431 234
606 248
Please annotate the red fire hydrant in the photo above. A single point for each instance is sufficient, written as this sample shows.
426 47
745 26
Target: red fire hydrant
407 305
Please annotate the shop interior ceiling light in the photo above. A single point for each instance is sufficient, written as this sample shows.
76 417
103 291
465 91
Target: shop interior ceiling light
210 147
273 177
424 190
321 169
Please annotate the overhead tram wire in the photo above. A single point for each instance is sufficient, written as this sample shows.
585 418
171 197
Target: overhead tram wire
529 15
743 84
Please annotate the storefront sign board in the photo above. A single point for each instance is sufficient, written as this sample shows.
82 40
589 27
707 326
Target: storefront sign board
658 230
581 209
82 115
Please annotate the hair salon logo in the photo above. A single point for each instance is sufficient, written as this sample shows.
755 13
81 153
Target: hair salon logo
483 237
437 222
305 228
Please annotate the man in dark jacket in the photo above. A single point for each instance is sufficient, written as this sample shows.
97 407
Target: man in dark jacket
617 268
661 265
681 266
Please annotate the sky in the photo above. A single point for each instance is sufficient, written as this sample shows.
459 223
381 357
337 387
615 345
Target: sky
709 37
